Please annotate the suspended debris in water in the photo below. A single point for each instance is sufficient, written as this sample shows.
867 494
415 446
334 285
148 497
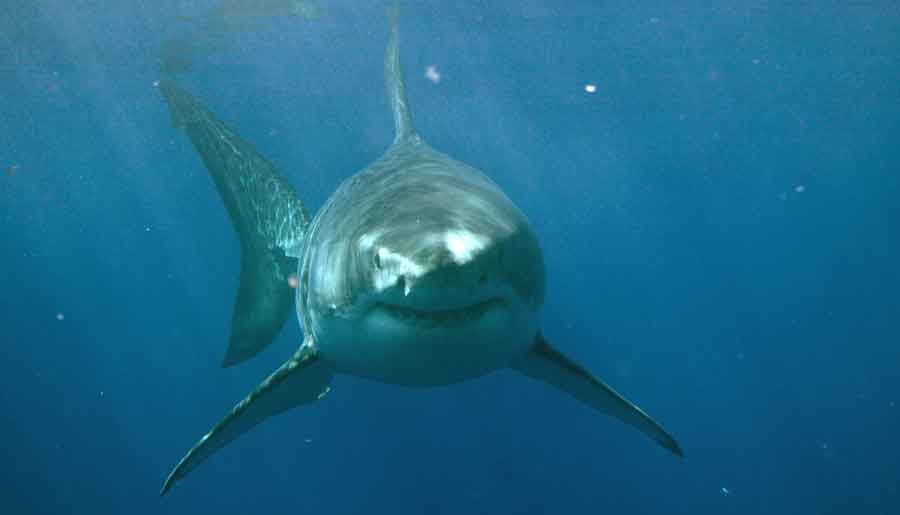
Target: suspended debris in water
243 15
432 74
211 33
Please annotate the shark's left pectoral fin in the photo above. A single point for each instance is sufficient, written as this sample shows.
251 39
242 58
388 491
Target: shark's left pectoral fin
548 365
302 379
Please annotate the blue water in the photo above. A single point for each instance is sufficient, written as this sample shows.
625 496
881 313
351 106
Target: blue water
719 218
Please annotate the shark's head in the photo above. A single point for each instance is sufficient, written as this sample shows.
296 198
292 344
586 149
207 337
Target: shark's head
420 271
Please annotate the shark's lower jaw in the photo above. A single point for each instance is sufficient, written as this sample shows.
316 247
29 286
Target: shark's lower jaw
428 345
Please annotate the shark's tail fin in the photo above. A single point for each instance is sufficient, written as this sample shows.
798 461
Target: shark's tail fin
266 214
393 78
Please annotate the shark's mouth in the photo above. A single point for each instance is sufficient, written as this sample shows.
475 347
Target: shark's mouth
460 315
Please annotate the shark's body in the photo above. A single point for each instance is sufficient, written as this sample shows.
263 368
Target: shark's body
417 271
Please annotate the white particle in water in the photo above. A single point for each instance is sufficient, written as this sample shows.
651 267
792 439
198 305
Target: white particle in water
590 88
324 392
725 491
60 316
800 188
432 74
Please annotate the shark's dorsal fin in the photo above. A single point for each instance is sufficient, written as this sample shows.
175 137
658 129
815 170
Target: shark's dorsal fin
393 79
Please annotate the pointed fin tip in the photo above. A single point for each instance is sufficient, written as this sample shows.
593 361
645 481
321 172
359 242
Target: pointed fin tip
661 436
231 360
393 12
235 355
175 475
264 303
672 445
169 483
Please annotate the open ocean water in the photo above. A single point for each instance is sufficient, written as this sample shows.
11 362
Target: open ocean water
715 187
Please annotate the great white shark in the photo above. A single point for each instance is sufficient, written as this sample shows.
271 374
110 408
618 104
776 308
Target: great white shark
417 271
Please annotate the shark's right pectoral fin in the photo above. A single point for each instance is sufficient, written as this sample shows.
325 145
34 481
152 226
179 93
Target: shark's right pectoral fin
265 212
548 365
301 380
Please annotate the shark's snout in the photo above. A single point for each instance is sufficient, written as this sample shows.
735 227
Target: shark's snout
451 269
